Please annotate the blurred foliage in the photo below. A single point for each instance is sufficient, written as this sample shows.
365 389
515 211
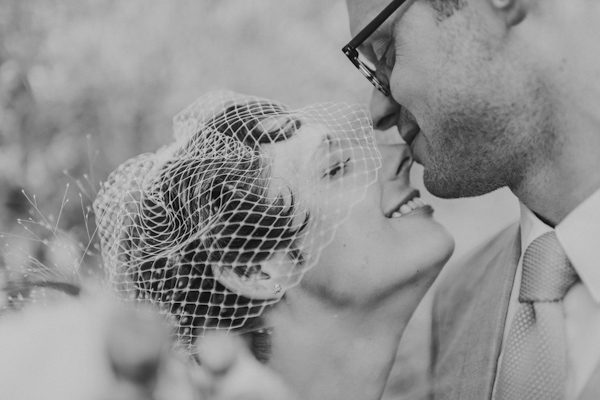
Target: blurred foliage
86 84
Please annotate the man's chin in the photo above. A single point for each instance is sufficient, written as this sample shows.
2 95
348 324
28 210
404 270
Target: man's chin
448 185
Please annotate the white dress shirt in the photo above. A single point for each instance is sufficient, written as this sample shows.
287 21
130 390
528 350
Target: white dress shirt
579 235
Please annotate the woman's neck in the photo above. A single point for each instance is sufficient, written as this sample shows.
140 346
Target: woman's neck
335 352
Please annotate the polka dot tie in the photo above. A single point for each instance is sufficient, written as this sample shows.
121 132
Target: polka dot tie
534 362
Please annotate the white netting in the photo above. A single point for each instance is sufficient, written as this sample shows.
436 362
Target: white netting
218 225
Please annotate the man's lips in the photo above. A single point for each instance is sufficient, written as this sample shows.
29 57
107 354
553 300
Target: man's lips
409 131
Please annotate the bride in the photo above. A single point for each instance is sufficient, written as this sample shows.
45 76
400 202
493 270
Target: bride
291 228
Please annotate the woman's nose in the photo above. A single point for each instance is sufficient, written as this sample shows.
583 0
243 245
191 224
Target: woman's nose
384 110
396 160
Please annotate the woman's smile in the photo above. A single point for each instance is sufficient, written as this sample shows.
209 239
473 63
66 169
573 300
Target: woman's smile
411 207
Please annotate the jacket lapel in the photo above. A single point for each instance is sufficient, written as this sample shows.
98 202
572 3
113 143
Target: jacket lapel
592 390
470 331
494 298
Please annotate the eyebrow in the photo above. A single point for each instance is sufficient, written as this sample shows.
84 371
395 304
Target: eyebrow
401 11
391 40
330 140
324 144
381 35
395 23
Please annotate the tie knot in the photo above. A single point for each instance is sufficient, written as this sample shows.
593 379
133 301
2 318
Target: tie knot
547 272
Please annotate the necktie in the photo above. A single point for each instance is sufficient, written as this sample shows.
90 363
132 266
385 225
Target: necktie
534 362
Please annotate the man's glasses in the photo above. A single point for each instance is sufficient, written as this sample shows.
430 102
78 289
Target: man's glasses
350 50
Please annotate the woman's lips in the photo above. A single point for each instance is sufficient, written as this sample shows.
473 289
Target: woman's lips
409 204
412 207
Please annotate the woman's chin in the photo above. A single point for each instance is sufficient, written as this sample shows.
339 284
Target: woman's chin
447 245
440 246
439 256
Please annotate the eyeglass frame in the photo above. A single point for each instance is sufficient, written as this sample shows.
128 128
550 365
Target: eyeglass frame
351 49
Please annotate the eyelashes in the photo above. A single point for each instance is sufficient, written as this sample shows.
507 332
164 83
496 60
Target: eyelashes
389 58
384 52
380 49
337 169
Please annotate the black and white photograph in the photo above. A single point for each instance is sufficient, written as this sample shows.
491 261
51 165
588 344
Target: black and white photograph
299 200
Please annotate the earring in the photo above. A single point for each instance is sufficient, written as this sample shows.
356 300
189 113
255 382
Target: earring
277 288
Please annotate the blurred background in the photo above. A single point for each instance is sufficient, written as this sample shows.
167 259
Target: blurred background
87 84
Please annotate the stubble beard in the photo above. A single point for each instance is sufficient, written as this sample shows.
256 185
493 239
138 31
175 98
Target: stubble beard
479 152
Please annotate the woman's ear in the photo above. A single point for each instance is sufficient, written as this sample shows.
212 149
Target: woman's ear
269 281
512 11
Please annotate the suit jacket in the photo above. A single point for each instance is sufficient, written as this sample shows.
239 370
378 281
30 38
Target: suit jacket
469 314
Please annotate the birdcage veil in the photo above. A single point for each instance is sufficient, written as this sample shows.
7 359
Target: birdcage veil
236 200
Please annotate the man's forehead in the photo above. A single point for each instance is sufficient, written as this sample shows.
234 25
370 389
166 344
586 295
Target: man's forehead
361 12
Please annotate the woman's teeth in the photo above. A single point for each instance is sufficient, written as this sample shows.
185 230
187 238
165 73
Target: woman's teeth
408 207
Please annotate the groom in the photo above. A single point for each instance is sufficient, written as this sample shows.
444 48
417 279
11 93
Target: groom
494 93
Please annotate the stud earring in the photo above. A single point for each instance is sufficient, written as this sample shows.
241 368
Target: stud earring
277 288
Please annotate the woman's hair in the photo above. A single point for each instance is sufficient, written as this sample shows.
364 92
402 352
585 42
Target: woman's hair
171 222
247 227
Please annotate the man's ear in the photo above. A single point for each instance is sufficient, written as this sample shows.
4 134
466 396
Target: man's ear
269 281
513 11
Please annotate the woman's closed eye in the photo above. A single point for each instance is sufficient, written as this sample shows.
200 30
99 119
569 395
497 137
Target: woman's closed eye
337 169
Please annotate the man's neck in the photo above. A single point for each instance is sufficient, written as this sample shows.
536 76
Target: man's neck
557 186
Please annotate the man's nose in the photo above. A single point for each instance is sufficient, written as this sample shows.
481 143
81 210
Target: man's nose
384 110
396 160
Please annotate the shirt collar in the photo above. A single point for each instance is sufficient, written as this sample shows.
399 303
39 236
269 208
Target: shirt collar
579 234
531 227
